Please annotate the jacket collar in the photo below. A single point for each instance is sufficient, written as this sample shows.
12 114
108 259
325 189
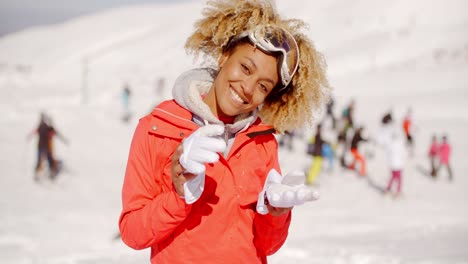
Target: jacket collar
171 112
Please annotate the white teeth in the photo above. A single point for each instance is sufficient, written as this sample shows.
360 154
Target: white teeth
236 97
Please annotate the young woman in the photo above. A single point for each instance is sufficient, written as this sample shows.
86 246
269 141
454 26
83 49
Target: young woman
203 182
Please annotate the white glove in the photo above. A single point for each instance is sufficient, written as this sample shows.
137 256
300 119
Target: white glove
285 192
199 148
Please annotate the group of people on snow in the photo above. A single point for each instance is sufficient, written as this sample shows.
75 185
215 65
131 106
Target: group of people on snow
396 139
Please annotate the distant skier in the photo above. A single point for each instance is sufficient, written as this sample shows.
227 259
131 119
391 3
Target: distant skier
387 118
357 156
348 114
396 157
346 125
126 95
433 154
329 113
316 152
387 128
342 142
329 154
444 157
408 128
45 132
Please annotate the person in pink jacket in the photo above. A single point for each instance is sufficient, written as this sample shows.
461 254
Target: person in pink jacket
444 157
203 182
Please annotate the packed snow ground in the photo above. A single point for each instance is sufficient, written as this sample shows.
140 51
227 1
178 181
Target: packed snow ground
384 54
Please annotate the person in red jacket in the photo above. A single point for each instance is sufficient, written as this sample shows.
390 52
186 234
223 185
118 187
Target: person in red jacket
203 182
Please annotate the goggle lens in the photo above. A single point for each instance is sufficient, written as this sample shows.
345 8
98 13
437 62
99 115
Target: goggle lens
274 39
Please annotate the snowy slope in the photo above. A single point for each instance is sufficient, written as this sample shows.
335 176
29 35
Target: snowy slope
384 54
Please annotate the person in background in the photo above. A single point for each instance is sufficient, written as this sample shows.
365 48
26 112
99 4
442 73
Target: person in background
387 118
126 95
329 112
408 128
329 154
45 132
396 158
357 156
203 182
346 125
445 150
386 129
433 154
316 153
342 143
348 114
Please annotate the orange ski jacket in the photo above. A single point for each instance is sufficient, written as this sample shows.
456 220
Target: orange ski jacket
222 226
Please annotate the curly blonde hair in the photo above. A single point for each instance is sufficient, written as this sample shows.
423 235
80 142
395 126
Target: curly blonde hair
225 19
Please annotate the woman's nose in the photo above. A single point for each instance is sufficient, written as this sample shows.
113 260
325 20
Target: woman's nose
248 86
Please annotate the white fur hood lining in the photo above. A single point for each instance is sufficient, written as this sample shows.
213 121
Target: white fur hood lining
188 90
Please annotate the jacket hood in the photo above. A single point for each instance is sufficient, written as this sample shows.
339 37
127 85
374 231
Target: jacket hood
188 91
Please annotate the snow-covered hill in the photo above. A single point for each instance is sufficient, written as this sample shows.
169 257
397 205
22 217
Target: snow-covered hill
384 54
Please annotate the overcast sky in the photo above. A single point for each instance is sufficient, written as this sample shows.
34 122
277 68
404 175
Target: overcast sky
16 15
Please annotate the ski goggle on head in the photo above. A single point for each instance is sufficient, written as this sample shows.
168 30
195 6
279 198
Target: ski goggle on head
276 40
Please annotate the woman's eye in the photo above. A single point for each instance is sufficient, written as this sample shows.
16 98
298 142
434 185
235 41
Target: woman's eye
245 68
264 88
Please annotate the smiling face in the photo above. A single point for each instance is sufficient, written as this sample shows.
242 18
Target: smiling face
246 77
